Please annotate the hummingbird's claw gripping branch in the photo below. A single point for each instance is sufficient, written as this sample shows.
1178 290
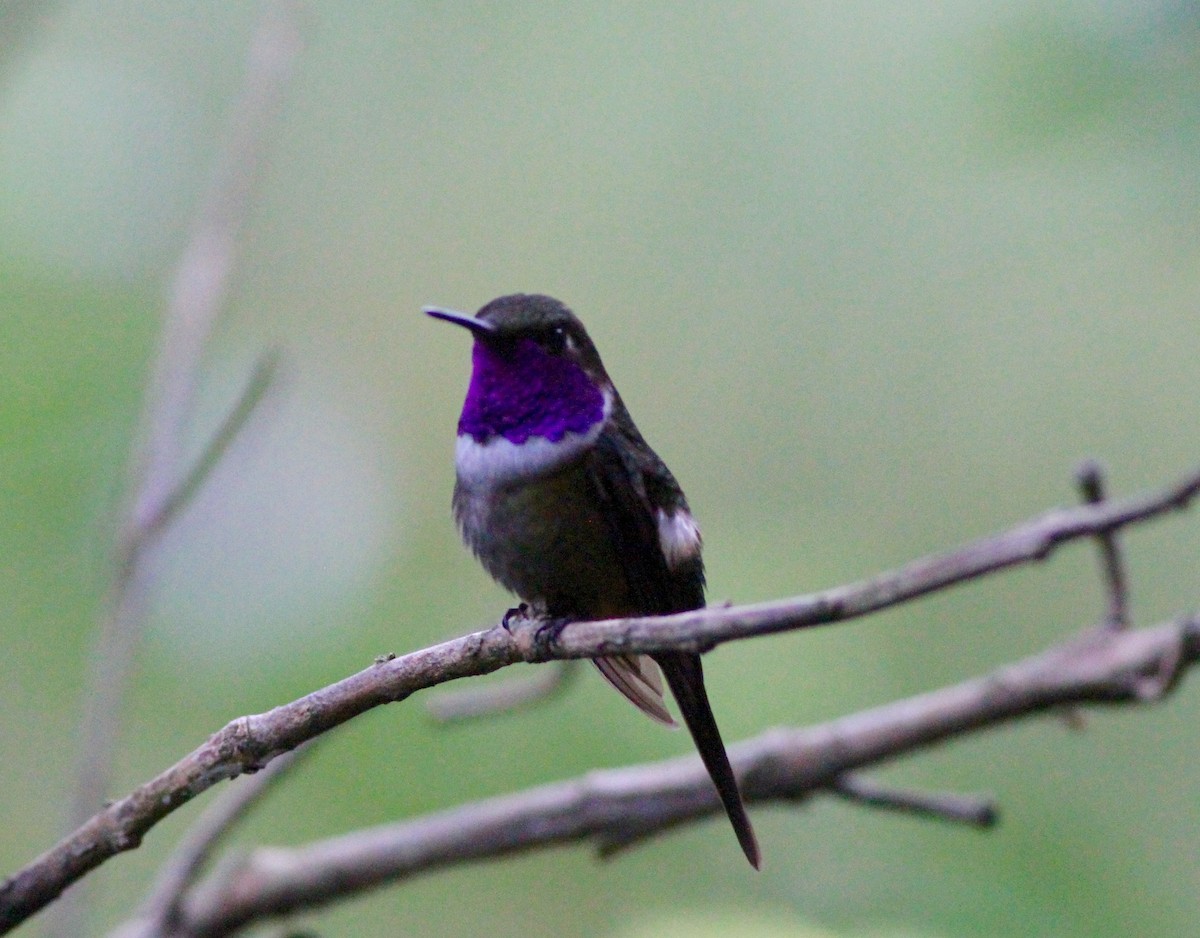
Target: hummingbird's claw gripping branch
547 634
520 611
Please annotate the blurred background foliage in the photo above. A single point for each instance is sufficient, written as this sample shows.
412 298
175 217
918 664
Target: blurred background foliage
873 278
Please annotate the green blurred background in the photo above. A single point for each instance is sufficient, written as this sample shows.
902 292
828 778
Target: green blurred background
873 278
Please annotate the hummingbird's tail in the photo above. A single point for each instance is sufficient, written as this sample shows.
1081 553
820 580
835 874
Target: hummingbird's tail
685 677
637 678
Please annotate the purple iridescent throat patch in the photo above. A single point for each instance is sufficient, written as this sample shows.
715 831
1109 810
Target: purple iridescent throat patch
520 392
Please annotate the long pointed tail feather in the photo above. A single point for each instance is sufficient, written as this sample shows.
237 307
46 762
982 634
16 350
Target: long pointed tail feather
685 677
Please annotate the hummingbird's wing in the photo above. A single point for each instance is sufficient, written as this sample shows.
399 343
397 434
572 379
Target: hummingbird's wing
618 474
618 478
637 489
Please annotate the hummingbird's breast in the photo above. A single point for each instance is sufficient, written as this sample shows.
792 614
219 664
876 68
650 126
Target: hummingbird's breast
546 539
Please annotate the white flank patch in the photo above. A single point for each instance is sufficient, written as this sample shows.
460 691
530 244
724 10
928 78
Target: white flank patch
679 536
499 462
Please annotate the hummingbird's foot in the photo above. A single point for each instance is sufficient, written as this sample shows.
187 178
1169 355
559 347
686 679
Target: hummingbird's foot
521 611
547 634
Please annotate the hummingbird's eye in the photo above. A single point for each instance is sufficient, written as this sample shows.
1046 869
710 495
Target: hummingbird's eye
556 340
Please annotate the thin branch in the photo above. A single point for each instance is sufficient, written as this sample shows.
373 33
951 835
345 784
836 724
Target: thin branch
252 394
205 270
162 910
615 809
250 742
1090 477
973 810
471 703
703 629
115 649
157 490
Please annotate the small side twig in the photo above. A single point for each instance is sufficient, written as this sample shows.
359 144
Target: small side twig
252 394
973 810
1090 477
472 703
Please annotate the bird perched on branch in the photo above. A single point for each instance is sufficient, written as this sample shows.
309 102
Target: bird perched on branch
567 506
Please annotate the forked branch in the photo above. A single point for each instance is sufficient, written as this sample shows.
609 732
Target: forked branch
249 742
615 809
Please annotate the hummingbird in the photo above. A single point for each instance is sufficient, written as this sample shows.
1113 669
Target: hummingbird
566 505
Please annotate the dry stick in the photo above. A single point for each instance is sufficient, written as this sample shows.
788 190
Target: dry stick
973 810
472 703
113 660
618 808
250 742
122 627
1090 477
703 629
158 487
255 389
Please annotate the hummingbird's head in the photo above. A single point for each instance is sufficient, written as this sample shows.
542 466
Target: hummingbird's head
535 372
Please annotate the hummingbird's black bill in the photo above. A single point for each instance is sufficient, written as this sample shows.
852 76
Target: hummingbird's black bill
466 320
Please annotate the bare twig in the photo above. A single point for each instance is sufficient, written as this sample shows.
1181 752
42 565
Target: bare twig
472 703
158 486
1090 477
1029 542
252 394
251 741
202 279
615 809
973 810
